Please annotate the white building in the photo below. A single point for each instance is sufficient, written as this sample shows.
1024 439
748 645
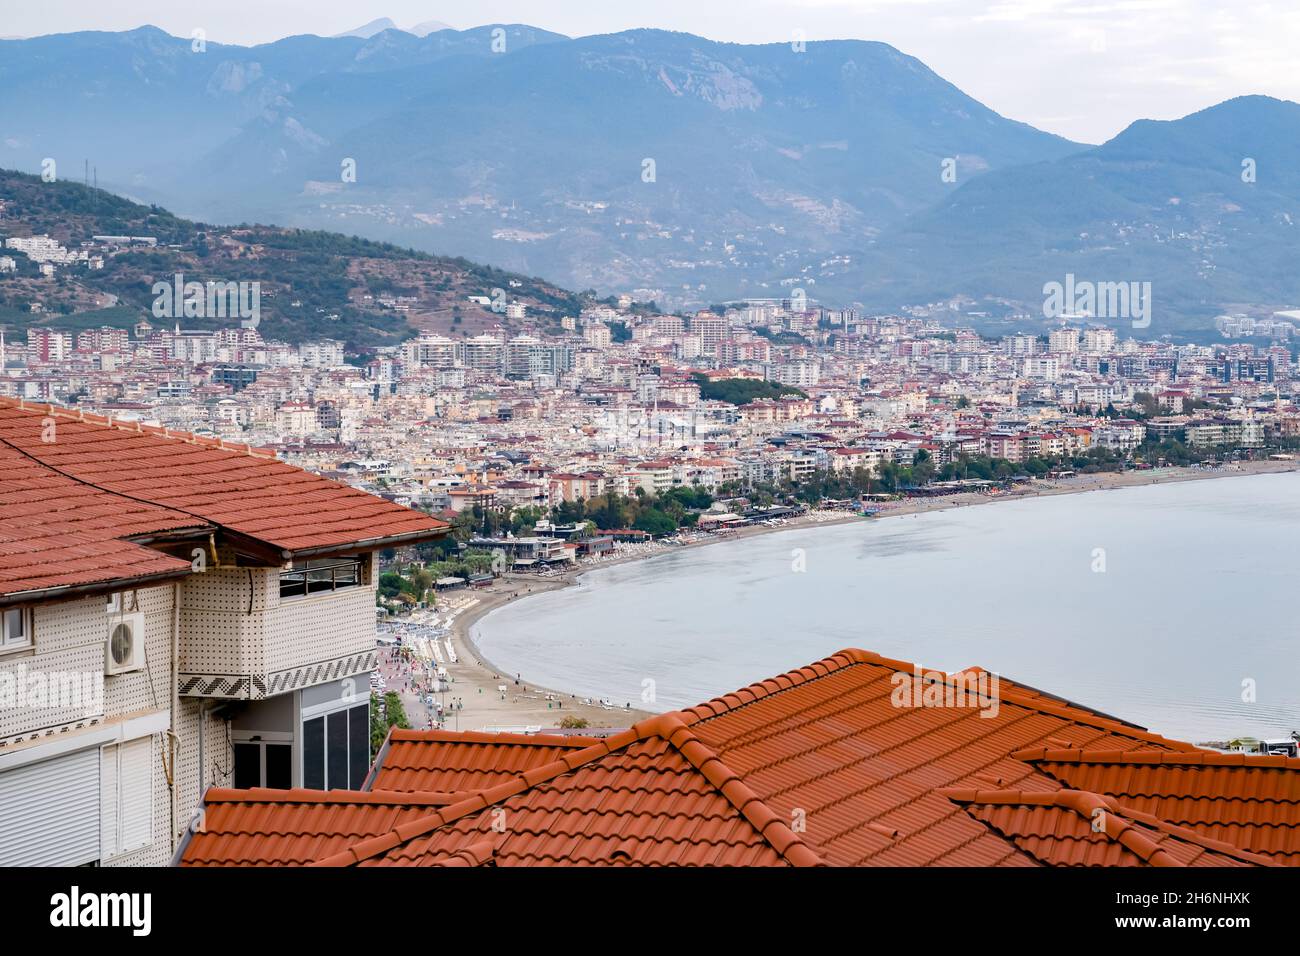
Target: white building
322 353
148 653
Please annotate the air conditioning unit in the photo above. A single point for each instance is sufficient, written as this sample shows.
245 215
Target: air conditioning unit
124 651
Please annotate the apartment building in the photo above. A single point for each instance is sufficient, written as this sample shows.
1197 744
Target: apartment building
526 552
175 613
1218 432
48 345
850 459
1063 341
711 329
571 486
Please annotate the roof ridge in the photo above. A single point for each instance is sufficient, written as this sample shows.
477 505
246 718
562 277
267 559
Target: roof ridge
480 800
1086 803
759 690
135 426
788 844
304 795
575 741
848 657
1201 757
729 784
1083 803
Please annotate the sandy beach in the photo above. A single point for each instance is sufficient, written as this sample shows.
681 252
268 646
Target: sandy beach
477 683
480 696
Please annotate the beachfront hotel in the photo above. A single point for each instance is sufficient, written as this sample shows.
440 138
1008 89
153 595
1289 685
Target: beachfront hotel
178 613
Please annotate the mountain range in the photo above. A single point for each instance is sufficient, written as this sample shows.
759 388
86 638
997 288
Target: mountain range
678 168
367 30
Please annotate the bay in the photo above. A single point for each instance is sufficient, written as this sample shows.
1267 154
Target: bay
1171 606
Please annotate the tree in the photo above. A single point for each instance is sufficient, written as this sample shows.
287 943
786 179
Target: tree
655 522
742 391
383 717
609 510
525 518
922 467
390 584
421 582
464 526
568 512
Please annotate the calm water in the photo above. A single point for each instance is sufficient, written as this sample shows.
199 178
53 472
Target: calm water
1198 595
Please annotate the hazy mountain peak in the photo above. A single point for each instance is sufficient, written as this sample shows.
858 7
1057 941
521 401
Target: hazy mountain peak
367 30
661 160
429 26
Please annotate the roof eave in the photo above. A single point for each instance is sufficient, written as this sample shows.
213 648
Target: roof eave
70 592
367 544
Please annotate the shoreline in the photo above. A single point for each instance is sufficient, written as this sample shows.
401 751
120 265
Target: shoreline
518 587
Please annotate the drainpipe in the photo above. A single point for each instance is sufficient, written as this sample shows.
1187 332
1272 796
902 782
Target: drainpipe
203 720
174 738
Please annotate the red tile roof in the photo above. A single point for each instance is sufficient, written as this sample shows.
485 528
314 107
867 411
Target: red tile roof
1075 828
634 802
820 765
254 823
68 505
440 761
829 741
1250 801
57 533
640 798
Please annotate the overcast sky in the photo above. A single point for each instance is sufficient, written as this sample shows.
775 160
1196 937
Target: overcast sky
1081 68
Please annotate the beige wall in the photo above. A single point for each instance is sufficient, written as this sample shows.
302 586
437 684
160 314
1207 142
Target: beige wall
233 621
217 634
71 636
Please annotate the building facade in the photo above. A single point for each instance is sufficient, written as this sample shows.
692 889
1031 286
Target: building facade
175 614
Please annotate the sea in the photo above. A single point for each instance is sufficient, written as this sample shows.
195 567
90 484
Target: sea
1169 605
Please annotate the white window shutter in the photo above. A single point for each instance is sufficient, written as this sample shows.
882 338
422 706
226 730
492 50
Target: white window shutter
108 801
136 775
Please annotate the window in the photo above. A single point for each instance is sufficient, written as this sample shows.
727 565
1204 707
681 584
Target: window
263 763
126 794
314 577
313 753
15 630
336 749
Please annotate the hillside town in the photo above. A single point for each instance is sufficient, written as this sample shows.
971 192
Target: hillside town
636 403
674 438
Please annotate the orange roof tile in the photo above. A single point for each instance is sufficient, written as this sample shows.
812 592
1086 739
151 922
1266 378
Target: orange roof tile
828 740
57 533
1248 800
818 765
262 827
454 762
1077 828
476 854
68 503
